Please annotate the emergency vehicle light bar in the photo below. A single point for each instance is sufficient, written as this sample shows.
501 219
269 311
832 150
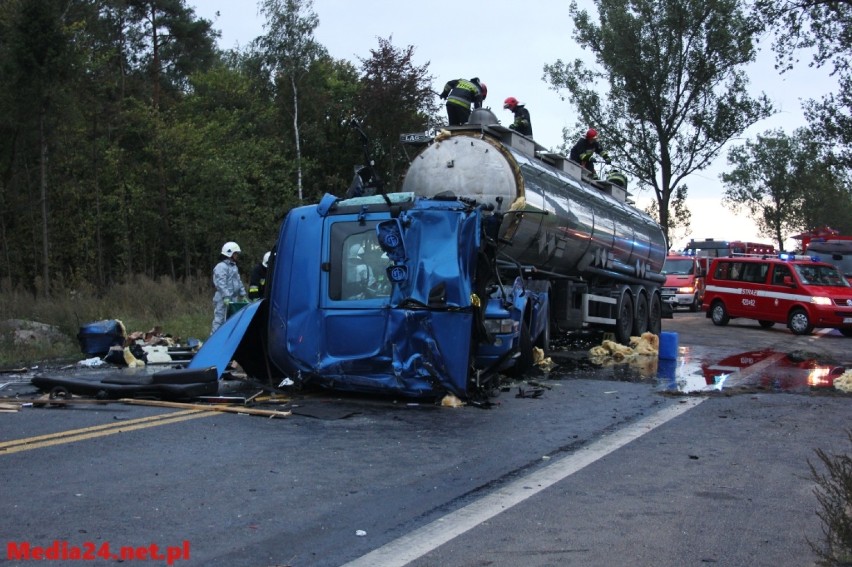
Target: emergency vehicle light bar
788 256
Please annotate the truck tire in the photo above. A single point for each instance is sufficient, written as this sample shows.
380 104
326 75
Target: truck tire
719 314
525 360
640 321
655 315
624 322
695 305
543 340
799 322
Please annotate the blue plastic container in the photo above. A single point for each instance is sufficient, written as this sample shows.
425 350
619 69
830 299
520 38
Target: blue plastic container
96 337
668 345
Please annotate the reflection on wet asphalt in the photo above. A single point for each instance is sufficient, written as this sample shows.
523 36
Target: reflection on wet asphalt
702 369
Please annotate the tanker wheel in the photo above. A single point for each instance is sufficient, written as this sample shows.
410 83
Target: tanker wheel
624 322
655 319
640 321
543 340
525 359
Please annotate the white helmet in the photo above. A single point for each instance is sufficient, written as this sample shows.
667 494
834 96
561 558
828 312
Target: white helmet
266 259
230 248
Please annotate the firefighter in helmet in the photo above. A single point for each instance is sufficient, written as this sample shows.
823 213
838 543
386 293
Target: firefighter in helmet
257 280
226 280
585 148
460 95
522 123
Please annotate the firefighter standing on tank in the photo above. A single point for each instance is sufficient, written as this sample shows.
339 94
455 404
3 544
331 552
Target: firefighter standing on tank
460 95
585 148
522 123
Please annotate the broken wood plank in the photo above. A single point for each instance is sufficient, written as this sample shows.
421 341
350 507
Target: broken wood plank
214 407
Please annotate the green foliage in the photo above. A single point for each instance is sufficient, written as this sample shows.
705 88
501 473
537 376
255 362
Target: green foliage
396 97
130 146
786 185
834 494
182 310
676 88
821 31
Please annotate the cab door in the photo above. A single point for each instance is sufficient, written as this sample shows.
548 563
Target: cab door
755 288
778 292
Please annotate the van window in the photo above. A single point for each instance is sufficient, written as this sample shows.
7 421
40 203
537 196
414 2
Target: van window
755 272
729 271
820 275
781 271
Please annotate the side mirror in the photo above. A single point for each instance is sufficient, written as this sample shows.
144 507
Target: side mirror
788 281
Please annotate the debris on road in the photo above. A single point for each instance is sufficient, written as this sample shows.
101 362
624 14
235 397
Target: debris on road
844 382
451 401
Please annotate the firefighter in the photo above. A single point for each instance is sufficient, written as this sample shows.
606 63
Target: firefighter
522 123
617 178
460 95
585 148
257 280
229 286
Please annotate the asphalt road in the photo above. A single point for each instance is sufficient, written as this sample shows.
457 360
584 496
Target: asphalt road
609 466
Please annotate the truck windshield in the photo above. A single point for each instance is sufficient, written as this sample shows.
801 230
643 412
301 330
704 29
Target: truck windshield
820 275
679 267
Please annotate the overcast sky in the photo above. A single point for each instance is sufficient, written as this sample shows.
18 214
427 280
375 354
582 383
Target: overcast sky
506 44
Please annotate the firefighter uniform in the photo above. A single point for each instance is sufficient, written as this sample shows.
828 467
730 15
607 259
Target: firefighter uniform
229 287
460 95
522 123
585 148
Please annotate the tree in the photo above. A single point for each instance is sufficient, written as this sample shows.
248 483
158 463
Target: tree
40 58
289 49
783 183
396 97
677 91
821 30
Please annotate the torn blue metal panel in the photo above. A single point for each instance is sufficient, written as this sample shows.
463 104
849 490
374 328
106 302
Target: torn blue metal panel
413 340
219 349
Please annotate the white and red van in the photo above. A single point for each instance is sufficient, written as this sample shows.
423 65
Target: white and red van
793 290
684 285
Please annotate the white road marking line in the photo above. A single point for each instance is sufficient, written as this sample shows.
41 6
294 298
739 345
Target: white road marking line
423 540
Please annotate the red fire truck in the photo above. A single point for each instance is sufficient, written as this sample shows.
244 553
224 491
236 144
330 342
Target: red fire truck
712 248
830 246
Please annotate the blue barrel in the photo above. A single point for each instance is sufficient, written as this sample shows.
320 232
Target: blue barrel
668 345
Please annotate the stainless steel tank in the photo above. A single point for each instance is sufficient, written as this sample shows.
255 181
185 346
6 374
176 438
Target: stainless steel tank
556 221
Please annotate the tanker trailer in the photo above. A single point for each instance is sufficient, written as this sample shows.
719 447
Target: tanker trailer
578 239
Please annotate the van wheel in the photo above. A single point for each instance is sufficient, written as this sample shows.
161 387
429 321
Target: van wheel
640 322
655 319
799 322
719 314
766 324
624 323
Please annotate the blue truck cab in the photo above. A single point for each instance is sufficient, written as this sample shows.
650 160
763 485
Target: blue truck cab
393 294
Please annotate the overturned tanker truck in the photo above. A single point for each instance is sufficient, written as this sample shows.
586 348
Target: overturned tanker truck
492 245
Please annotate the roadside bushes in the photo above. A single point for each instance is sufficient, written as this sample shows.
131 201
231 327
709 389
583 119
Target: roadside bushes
182 309
834 494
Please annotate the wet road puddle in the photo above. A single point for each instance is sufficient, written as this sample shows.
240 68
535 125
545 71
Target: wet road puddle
699 370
